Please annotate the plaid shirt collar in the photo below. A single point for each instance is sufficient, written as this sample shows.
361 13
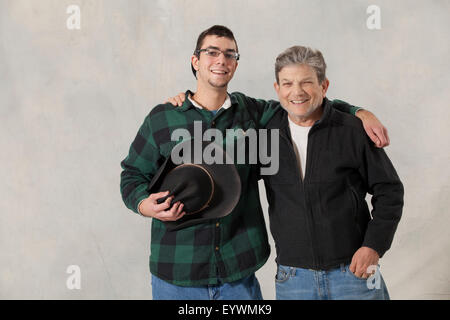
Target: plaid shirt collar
187 104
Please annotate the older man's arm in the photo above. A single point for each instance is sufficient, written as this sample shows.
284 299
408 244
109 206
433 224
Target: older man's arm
387 202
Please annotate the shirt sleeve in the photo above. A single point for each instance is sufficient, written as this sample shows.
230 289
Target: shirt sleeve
344 106
139 167
261 110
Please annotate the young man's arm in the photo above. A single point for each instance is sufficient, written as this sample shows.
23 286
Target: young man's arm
373 127
264 110
139 167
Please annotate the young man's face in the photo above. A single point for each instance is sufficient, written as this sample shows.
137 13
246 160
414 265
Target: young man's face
212 71
299 90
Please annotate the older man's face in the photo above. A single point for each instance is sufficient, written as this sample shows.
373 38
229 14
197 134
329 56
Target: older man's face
299 91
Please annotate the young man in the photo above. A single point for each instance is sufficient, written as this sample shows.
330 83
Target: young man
218 259
327 243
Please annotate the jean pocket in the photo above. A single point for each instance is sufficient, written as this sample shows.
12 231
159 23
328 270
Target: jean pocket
353 275
283 274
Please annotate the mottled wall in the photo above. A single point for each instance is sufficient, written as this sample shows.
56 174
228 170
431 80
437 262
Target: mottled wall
71 102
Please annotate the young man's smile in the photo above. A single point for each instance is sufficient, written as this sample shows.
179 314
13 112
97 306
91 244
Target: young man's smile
215 63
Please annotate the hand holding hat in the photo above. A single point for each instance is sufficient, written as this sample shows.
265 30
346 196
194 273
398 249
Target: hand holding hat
163 211
200 191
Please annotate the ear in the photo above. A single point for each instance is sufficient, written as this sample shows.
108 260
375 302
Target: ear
276 87
325 84
194 61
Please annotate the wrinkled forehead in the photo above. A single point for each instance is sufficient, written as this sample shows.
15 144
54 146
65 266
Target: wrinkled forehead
297 72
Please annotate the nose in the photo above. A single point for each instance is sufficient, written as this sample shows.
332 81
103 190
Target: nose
221 59
298 89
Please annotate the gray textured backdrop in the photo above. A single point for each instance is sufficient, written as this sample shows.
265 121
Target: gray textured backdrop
71 102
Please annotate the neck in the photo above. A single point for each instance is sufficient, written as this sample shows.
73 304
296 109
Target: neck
307 121
210 99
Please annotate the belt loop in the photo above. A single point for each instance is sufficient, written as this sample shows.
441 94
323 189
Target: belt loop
293 271
342 267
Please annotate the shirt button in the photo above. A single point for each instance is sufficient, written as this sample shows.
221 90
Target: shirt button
213 124
217 248
217 224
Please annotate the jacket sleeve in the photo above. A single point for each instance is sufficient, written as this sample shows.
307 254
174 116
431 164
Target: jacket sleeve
387 192
139 167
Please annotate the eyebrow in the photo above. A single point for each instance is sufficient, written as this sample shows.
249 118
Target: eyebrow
217 48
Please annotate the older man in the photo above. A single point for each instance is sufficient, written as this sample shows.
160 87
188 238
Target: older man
327 241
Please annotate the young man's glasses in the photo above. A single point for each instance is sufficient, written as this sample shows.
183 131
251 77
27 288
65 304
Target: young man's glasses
230 55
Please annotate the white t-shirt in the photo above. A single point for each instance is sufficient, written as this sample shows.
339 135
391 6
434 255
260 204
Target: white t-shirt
299 136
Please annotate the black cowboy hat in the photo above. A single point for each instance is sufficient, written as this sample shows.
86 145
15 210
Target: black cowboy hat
207 190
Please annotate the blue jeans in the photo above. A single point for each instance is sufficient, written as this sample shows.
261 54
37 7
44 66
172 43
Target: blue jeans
243 289
336 284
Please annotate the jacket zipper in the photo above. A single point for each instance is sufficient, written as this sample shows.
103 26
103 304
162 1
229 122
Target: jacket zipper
308 168
308 216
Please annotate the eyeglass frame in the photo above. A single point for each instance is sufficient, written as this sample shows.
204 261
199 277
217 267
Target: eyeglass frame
235 55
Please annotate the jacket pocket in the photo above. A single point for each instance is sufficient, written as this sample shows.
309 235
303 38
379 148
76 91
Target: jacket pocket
356 207
349 272
338 233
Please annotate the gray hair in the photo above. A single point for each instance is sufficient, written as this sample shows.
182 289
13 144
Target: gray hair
302 55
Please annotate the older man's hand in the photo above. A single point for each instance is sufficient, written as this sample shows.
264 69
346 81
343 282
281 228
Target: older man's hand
363 258
374 128
178 100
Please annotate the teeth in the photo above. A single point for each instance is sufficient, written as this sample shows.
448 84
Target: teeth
218 72
298 101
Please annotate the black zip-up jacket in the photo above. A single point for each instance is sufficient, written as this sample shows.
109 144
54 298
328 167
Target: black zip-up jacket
321 221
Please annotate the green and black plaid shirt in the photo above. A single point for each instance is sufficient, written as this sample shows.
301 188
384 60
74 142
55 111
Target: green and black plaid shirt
225 249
